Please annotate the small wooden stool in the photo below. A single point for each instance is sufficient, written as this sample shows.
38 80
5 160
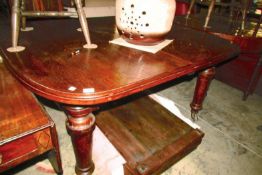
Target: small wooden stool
26 129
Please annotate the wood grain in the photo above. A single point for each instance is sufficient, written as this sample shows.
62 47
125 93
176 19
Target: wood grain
18 108
54 61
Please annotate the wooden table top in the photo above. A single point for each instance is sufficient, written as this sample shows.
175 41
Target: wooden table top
110 72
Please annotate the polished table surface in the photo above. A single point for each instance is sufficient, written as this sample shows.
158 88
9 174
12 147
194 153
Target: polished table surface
55 66
54 58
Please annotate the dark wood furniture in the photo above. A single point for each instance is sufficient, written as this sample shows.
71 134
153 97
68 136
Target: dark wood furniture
149 137
245 71
55 66
26 129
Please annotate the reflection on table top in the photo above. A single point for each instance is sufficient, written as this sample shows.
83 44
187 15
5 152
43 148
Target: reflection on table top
55 66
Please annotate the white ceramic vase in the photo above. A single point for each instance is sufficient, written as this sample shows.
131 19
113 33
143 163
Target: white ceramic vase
144 22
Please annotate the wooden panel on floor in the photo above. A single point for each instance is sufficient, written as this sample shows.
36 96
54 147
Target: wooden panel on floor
149 137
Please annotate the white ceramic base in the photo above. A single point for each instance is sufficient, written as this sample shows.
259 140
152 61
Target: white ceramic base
15 49
27 29
90 46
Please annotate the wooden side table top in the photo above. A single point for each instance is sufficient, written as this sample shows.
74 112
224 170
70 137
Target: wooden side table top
20 113
26 129
55 66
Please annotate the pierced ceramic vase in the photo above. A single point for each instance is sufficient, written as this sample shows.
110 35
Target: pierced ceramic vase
144 22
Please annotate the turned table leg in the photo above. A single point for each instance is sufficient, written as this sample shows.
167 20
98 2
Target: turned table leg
203 81
80 125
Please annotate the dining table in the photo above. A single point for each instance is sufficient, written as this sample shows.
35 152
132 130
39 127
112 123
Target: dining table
55 66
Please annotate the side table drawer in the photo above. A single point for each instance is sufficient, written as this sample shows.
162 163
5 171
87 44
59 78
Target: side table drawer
18 148
24 148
